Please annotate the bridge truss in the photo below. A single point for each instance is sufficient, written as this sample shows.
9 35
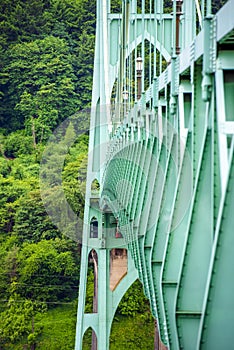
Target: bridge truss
161 169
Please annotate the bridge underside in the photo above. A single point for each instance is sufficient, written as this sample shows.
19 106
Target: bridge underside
161 149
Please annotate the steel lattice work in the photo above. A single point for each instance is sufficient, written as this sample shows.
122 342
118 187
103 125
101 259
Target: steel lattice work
160 182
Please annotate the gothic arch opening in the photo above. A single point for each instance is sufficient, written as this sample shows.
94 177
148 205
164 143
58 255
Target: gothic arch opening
91 301
93 228
133 322
89 340
118 266
95 186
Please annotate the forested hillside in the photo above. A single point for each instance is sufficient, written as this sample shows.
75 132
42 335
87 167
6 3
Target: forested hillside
46 59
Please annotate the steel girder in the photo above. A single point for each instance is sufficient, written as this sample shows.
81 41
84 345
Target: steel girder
165 170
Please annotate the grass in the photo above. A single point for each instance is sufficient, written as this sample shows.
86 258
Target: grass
59 326
132 333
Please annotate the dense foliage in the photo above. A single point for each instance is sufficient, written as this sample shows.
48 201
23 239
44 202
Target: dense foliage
39 266
44 76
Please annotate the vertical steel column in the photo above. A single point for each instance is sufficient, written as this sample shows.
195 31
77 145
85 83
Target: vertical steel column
105 300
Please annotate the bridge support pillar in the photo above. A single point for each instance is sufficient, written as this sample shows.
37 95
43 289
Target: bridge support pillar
111 281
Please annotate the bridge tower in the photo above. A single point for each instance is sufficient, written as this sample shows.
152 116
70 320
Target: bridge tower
114 271
160 170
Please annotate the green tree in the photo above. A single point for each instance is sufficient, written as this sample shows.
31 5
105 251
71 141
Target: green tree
32 222
21 20
49 271
133 301
8 268
40 84
74 174
31 36
84 68
17 143
20 320
11 189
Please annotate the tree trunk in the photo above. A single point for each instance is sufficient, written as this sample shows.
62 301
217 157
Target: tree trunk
33 346
34 134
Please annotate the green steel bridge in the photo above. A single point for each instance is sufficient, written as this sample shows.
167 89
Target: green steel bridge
160 183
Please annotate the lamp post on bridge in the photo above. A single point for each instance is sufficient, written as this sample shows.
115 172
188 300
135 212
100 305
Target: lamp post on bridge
139 68
179 4
125 100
